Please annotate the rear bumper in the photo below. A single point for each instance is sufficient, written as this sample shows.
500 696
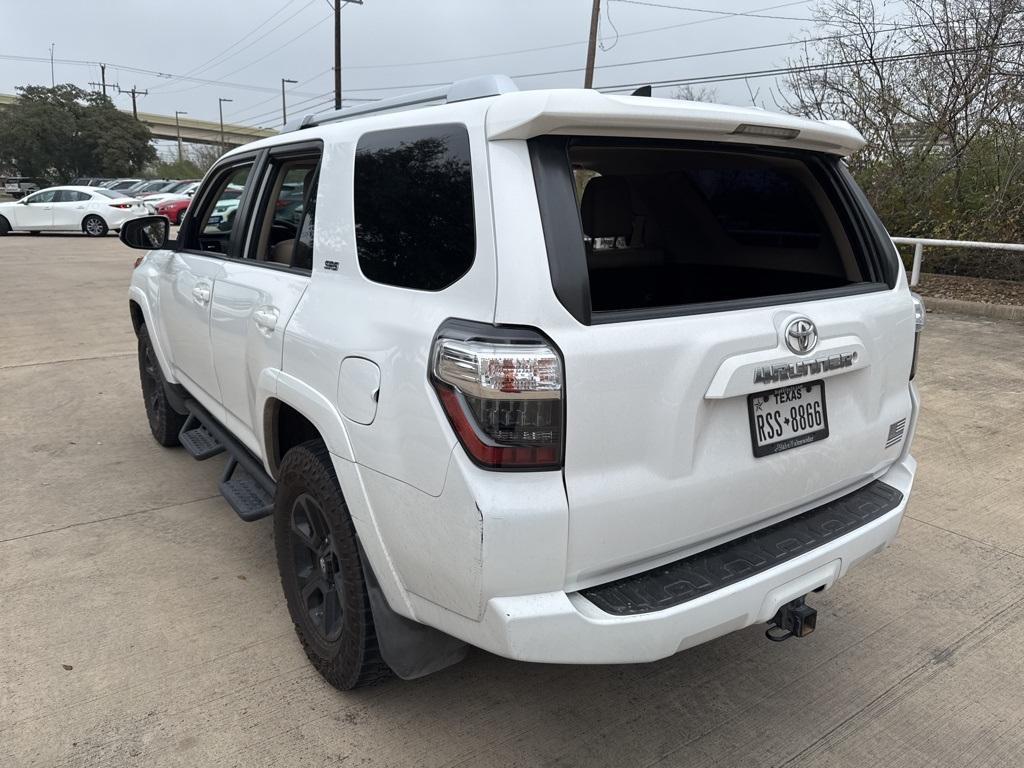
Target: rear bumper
568 628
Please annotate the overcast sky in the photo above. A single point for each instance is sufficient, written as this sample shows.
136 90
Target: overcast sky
387 45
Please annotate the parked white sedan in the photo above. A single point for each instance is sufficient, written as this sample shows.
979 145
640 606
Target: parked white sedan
92 210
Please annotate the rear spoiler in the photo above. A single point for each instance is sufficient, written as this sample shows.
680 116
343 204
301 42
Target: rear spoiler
526 114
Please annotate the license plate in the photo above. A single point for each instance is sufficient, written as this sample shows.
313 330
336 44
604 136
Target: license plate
787 417
214 220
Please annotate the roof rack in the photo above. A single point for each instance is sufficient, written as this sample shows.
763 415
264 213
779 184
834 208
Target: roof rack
460 90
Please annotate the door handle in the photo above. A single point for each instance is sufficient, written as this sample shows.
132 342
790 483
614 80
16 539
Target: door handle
266 318
201 293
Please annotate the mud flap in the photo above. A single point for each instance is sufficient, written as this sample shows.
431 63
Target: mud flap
411 649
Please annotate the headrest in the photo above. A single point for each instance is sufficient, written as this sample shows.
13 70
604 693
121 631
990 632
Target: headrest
606 208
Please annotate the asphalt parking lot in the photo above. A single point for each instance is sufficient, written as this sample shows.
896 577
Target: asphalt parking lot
141 623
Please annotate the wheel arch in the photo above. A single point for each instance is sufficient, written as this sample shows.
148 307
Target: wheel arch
81 224
141 314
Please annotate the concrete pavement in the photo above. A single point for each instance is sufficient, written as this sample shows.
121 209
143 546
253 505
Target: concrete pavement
141 623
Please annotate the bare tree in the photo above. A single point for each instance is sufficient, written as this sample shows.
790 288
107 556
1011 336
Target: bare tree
937 91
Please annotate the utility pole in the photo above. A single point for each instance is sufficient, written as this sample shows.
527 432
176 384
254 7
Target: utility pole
284 108
103 81
337 54
337 48
220 107
135 93
595 13
177 127
53 81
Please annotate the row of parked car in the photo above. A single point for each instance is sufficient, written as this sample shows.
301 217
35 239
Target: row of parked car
94 206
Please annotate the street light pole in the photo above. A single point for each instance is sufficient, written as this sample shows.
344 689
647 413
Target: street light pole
284 108
220 107
53 81
177 127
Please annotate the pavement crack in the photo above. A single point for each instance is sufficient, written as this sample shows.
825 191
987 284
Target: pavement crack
66 360
107 519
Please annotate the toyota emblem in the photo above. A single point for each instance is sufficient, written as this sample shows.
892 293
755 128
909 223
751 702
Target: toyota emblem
801 336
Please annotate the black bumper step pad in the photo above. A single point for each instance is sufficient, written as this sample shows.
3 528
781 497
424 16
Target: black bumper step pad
249 498
692 577
200 443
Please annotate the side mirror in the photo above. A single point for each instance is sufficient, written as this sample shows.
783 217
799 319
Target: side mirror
146 233
23 201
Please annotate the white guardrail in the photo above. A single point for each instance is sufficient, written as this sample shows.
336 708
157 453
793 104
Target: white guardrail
920 242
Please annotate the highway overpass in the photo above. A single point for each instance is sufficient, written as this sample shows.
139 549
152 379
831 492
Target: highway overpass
192 131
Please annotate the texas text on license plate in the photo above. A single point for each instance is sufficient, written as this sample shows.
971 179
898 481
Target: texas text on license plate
787 417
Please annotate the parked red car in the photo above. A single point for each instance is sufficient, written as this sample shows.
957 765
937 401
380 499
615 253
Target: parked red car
174 209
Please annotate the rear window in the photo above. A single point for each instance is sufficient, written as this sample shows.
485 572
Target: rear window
677 224
413 199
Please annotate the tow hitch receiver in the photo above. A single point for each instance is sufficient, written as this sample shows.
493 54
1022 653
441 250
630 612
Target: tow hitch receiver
794 619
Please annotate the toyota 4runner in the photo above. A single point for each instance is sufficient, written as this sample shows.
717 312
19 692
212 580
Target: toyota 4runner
567 376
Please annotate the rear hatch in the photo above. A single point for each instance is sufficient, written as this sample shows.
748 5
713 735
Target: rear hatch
739 345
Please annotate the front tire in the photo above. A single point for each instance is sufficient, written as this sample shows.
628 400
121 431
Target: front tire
94 226
164 422
321 571
5 226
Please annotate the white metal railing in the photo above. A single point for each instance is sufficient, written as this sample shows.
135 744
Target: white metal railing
920 242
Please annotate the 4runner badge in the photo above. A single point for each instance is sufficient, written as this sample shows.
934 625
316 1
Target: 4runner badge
769 374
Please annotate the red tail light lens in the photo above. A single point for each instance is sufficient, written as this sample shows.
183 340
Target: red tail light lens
121 205
502 391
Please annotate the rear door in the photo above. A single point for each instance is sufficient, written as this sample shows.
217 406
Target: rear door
737 340
255 297
69 209
187 283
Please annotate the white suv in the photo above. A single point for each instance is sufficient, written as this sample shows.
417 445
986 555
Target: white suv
569 377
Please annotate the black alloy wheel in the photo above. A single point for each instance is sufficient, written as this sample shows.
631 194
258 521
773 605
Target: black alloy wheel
317 568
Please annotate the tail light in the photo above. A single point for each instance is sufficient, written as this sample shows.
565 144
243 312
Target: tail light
502 390
918 327
121 205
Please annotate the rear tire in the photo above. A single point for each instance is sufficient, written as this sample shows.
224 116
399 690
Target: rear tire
94 226
321 571
164 422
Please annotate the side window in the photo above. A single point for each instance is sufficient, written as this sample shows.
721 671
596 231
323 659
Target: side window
70 196
285 221
42 197
413 197
216 221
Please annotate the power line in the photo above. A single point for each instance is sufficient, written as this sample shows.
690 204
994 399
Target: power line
256 61
747 14
223 54
564 45
819 67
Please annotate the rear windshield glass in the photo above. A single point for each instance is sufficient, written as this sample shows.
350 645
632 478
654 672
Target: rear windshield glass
108 193
675 224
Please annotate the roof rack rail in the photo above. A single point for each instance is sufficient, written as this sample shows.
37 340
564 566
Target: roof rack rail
460 90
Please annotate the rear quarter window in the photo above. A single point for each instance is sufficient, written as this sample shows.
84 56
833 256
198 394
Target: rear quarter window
413 201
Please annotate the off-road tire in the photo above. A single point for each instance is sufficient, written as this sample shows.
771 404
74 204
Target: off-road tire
164 422
306 487
5 226
94 226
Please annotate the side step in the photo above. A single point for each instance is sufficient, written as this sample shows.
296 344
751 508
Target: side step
200 442
245 485
250 499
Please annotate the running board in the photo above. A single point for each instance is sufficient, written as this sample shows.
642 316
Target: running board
245 485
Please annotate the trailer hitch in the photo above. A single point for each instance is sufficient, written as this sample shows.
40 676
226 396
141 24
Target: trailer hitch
794 619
